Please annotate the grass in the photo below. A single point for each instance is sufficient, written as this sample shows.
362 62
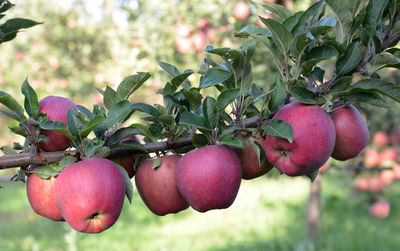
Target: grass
268 214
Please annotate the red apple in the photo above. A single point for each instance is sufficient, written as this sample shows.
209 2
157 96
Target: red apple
387 177
40 194
158 188
351 133
388 156
56 108
371 158
375 184
209 177
241 11
127 161
183 30
313 140
381 139
90 194
249 160
362 184
324 167
184 45
396 171
213 35
380 209
199 41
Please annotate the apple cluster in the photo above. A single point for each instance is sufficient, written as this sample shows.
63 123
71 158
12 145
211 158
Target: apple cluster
89 194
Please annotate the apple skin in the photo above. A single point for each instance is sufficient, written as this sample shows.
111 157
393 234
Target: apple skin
56 108
40 194
362 184
184 45
375 184
241 11
199 41
158 188
388 156
381 139
352 134
127 161
183 30
396 171
313 140
380 209
90 194
249 160
209 177
387 177
371 158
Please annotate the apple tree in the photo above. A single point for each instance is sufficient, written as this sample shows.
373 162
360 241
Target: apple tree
191 148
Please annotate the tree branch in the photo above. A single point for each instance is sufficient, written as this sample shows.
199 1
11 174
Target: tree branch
25 159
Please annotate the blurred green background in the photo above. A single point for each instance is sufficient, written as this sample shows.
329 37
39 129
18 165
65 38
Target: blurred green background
87 44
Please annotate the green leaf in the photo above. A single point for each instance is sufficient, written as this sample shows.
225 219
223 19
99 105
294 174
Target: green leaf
66 161
199 140
368 98
194 98
74 123
213 77
178 80
298 45
232 141
292 21
303 95
279 128
210 112
382 60
10 28
110 97
280 35
259 150
312 176
351 58
277 9
219 51
226 97
11 103
5 5
57 126
131 84
128 183
31 102
372 18
117 114
7 112
315 55
156 163
132 145
343 11
188 118
322 26
309 17
86 112
252 29
126 132
19 130
8 150
277 97
380 86
146 109
45 172
93 123
169 68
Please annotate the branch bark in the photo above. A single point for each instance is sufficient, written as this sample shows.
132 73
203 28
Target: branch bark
26 159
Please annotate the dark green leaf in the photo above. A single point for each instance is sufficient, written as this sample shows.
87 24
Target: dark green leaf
213 77
372 18
303 95
93 123
11 103
188 118
128 183
110 97
193 97
5 5
117 114
74 123
170 69
199 140
369 98
322 26
210 112
232 141
279 128
132 145
382 60
31 102
318 74
380 86
277 9
298 45
259 150
8 150
281 36
10 28
126 132
352 57
131 84
219 51
292 21
315 55
146 109
343 11
45 172
178 80
309 17
226 97
57 126
252 29
277 97
312 176
19 130
156 163
86 112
